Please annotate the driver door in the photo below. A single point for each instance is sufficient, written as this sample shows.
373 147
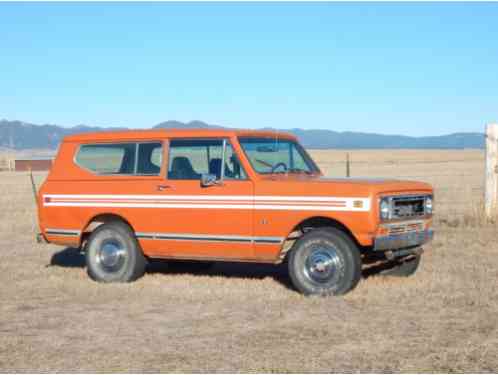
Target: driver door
206 222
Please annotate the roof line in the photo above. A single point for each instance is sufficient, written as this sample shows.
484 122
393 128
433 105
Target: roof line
148 133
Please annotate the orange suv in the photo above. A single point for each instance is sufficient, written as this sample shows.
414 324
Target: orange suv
227 195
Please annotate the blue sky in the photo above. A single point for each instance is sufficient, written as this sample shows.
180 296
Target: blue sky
415 69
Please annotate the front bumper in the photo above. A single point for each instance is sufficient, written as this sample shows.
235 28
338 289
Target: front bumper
403 241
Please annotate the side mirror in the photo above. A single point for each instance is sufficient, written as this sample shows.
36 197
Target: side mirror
208 179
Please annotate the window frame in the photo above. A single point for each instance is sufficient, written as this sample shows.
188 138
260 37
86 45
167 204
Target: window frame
299 148
137 157
135 164
225 141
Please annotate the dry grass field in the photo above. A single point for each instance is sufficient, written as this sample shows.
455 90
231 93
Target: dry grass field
246 318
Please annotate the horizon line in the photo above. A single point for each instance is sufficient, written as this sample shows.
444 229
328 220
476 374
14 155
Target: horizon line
234 127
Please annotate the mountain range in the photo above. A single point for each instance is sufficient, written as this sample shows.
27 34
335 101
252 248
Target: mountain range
21 135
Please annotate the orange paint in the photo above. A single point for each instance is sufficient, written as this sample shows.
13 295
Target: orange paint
234 220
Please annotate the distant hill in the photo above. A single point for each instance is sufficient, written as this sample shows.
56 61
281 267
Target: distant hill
351 140
189 125
21 135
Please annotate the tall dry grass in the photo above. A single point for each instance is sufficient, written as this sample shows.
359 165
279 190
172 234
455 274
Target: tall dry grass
246 318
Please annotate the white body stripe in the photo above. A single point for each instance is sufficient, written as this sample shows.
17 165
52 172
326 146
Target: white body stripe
210 202
203 197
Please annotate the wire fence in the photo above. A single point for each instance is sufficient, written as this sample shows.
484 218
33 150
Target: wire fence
457 175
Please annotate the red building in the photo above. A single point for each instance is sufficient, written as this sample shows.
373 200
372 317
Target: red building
33 164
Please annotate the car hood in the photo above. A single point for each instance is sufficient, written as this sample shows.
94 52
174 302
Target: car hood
347 186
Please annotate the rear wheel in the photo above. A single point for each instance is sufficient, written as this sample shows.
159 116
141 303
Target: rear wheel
324 262
113 254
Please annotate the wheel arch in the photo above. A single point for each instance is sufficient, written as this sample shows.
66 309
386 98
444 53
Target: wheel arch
99 219
311 223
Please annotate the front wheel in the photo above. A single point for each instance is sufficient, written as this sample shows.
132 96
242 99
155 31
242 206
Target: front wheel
113 254
324 262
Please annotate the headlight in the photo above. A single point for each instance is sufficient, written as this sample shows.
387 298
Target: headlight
428 206
384 209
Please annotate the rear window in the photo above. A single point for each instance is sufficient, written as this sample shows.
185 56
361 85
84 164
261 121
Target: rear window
121 158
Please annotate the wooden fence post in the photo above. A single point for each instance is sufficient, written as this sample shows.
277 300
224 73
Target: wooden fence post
491 183
33 185
348 168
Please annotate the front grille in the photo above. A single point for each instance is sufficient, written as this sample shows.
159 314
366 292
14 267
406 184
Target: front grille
405 207
406 228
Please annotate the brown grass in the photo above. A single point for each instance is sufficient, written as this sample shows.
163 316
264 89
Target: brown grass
245 318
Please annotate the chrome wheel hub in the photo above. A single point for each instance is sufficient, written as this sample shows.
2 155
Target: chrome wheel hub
111 255
322 265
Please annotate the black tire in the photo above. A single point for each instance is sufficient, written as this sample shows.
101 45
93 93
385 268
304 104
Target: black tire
324 262
113 254
405 269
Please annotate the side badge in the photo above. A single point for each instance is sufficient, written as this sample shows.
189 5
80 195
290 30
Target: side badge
358 204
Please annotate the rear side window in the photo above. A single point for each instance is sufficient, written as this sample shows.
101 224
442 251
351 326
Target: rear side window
121 158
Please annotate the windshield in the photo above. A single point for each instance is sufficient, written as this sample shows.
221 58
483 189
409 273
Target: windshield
273 155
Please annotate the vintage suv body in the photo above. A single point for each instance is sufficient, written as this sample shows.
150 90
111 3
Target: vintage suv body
226 195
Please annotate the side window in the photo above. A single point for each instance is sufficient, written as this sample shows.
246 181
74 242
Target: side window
121 158
149 158
189 159
107 158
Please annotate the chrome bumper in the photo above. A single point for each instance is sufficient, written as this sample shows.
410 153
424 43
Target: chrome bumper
402 241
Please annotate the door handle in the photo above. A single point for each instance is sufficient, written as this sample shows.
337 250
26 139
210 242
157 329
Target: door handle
163 187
